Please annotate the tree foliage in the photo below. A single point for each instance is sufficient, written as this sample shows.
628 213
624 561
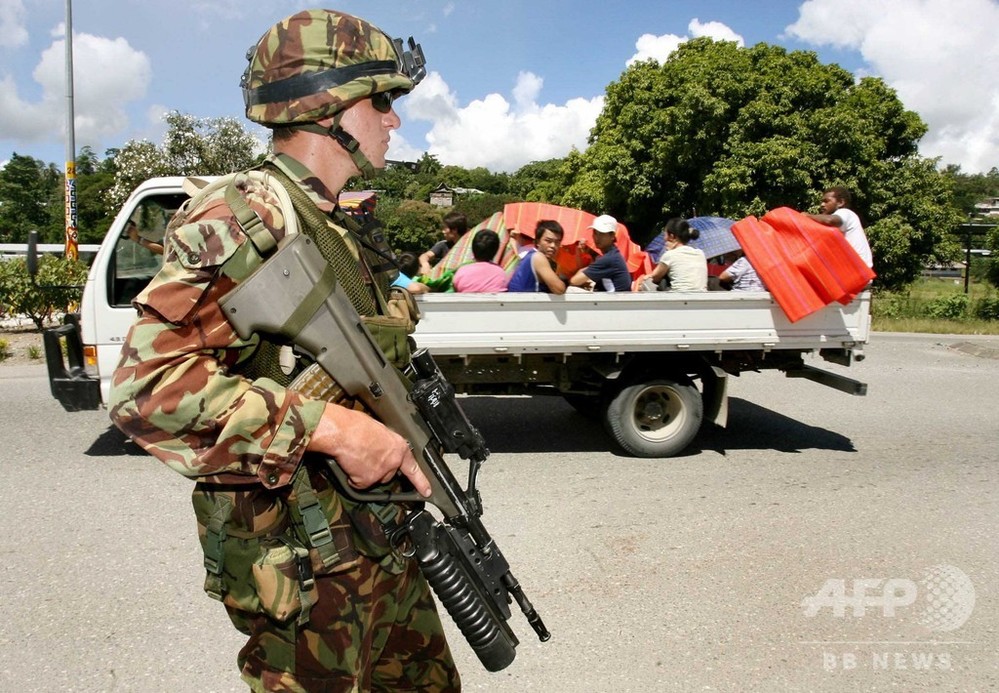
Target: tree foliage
411 224
192 146
94 177
970 189
33 194
729 131
59 284
479 207
29 198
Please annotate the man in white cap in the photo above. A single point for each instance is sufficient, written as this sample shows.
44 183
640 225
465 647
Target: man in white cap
609 272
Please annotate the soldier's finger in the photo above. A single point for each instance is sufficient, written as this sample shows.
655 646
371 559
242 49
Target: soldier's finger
411 470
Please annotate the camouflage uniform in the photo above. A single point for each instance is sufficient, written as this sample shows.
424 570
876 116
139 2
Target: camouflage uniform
367 621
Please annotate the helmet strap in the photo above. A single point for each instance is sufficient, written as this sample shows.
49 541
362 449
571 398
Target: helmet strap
345 140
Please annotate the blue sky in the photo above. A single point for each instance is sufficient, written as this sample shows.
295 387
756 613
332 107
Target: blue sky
510 81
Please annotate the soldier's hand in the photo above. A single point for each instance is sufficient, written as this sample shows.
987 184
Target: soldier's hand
366 450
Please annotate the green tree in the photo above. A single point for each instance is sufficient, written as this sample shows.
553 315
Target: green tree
480 207
970 189
29 199
392 182
992 264
428 165
58 285
94 178
192 146
719 129
540 181
411 225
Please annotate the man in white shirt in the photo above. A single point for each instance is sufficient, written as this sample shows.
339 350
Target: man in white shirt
836 212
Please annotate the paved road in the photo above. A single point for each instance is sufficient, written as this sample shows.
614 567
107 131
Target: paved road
683 574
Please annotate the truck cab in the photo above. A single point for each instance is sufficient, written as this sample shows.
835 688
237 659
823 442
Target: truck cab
121 269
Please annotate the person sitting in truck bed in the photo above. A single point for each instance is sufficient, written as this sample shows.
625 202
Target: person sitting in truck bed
536 270
684 266
483 275
455 225
409 267
609 272
741 276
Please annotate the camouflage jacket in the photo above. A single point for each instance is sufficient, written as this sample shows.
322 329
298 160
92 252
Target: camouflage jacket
174 391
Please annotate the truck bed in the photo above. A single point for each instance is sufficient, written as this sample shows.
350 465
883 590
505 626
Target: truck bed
470 324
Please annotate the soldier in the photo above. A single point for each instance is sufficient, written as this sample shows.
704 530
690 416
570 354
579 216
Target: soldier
303 570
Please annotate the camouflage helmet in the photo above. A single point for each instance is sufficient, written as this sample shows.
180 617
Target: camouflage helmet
313 64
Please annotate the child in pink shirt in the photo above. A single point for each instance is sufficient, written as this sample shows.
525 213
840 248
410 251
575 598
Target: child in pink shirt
483 275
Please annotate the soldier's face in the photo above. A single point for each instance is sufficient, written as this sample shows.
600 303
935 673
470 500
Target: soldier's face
371 128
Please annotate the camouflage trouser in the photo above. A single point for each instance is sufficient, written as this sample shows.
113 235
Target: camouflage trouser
369 630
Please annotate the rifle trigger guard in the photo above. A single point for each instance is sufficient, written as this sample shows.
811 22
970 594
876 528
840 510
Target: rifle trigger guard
397 538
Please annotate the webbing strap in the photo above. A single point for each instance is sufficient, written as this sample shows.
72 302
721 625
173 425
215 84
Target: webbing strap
307 593
215 536
316 525
385 513
249 220
297 321
331 245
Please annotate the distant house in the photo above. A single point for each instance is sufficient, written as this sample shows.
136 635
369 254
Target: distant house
443 196
989 207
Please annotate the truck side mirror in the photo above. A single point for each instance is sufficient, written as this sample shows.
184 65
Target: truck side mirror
32 257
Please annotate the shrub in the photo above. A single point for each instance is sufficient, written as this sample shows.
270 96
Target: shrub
987 308
59 286
891 304
413 226
34 352
952 307
4 350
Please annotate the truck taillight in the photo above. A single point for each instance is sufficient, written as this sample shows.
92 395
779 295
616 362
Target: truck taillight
90 357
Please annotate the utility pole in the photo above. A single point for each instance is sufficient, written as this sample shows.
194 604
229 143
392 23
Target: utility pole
71 249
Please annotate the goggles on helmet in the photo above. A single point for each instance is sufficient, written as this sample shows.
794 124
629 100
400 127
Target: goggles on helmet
412 63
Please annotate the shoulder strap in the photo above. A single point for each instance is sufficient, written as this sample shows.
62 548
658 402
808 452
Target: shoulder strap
331 244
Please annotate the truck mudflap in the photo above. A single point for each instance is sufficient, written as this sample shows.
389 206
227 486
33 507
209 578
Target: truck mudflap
71 385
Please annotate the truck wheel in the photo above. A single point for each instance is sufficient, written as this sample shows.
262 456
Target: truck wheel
657 418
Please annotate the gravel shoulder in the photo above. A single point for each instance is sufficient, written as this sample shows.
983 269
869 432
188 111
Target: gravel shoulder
24 344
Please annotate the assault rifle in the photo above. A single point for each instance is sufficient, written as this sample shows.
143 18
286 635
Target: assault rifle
294 295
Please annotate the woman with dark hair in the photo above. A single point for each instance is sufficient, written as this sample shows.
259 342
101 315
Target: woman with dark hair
686 267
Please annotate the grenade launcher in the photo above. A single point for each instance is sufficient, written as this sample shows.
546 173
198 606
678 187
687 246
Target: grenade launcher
294 295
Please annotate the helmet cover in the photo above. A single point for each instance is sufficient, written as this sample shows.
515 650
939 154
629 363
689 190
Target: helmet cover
315 63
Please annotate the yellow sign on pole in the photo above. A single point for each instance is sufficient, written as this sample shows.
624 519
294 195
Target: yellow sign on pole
71 250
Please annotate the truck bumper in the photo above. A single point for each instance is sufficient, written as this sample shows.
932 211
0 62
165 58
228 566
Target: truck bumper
70 384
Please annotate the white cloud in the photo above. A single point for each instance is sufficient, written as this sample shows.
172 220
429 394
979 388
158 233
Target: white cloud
108 74
12 30
714 30
658 48
496 134
401 150
939 55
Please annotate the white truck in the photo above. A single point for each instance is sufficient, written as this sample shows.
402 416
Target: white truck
653 366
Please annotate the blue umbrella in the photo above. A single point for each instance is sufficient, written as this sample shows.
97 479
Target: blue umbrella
715 237
655 248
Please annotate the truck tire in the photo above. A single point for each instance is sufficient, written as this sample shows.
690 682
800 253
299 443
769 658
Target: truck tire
657 418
